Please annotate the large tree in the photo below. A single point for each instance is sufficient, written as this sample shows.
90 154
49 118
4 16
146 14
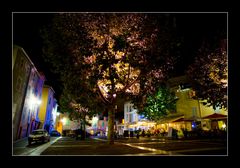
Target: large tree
208 74
103 56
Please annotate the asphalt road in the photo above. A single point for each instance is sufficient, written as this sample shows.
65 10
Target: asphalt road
137 147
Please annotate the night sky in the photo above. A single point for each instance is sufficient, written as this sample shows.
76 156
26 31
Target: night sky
194 27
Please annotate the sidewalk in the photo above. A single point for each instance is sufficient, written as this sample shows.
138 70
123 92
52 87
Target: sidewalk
20 142
21 147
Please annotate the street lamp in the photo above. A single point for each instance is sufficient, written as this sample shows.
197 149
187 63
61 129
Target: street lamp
224 126
64 120
33 101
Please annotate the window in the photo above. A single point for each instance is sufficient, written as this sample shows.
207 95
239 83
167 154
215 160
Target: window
194 111
191 94
134 117
217 110
27 68
130 108
36 91
19 84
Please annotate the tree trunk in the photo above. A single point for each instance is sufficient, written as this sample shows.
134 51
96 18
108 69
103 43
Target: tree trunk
111 117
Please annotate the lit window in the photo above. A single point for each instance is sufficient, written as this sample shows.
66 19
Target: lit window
194 111
217 110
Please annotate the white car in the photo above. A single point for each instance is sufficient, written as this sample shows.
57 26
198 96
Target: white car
38 135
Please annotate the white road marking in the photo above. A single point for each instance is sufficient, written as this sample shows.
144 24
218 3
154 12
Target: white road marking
37 151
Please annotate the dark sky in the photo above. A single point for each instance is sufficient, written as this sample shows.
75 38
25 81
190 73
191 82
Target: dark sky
194 27
26 34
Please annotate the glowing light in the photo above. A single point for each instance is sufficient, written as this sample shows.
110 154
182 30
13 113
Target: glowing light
94 122
64 120
33 101
224 126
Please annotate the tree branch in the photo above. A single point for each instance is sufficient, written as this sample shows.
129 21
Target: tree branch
129 85
105 101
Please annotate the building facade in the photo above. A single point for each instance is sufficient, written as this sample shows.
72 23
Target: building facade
32 103
47 109
27 92
190 113
54 113
21 67
133 121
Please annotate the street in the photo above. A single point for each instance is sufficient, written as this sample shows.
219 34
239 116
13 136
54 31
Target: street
136 147
181 147
125 146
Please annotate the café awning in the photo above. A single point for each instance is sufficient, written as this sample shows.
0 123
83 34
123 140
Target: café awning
170 119
215 116
183 119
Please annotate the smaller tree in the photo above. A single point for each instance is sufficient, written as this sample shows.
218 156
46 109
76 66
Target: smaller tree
80 113
208 75
76 111
159 104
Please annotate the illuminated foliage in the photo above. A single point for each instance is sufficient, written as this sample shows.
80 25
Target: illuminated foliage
76 111
209 75
103 57
159 104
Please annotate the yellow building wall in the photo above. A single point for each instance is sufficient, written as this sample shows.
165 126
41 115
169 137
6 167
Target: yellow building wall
184 104
43 107
59 124
188 107
209 110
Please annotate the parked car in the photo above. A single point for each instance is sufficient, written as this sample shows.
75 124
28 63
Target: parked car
55 133
39 135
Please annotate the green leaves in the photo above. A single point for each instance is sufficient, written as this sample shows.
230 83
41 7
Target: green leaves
159 104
